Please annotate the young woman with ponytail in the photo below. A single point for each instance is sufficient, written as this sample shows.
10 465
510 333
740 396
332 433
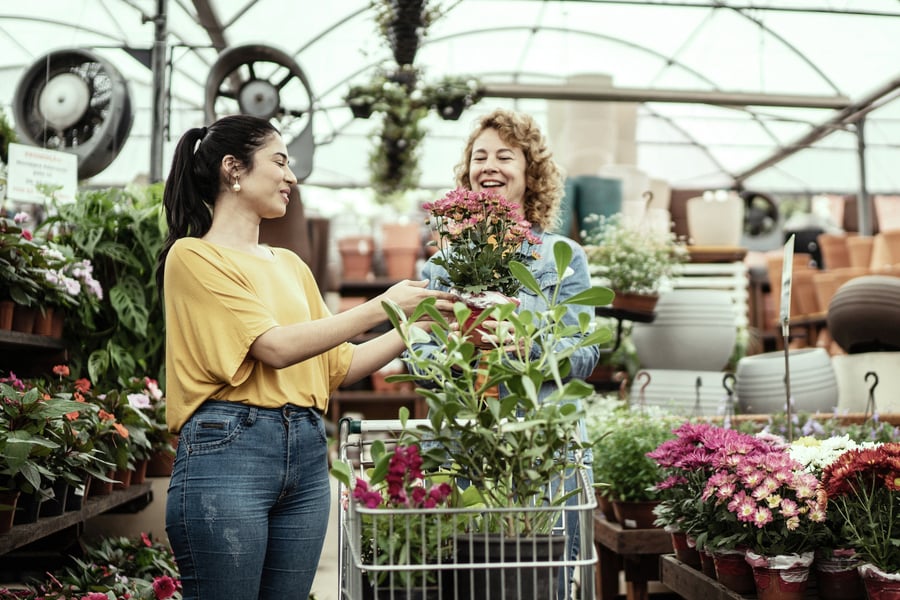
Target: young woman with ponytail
252 355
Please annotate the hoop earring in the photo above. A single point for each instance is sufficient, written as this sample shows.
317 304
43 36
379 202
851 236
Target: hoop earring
237 186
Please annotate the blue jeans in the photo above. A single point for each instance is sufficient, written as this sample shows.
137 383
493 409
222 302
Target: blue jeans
248 502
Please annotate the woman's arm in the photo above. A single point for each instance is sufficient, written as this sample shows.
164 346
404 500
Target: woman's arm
286 345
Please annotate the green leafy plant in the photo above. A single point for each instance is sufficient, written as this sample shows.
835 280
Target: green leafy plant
18 252
509 448
630 258
622 469
120 232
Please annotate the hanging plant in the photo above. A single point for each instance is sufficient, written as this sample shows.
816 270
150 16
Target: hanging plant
403 24
7 135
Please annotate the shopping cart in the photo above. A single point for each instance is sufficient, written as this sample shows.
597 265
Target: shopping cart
465 562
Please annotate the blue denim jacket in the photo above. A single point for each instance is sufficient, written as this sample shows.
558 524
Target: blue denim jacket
543 268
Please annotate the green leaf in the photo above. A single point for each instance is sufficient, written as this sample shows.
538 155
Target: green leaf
562 254
341 471
594 296
128 300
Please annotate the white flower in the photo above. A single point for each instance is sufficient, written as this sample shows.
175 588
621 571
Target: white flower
21 217
139 400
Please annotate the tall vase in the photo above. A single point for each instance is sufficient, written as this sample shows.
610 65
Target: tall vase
780 577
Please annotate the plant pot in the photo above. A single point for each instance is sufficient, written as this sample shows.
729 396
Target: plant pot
509 581
23 319
635 515
160 464
400 263
123 479
604 505
361 111
76 496
43 321
639 303
99 487
8 501
7 308
356 256
139 474
708 564
55 506
687 552
780 577
28 509
838 578
880 585
733 572
59 322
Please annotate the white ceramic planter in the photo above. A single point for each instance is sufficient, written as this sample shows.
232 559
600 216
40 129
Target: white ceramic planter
716 221
760 384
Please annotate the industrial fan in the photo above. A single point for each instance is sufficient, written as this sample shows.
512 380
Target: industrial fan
267 83
77 102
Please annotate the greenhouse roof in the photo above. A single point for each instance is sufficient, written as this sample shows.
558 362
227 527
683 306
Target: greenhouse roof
762 94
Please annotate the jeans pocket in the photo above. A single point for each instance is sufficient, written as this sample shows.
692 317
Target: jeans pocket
210 432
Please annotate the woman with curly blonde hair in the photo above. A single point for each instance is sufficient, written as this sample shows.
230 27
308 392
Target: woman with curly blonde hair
543 177
508 155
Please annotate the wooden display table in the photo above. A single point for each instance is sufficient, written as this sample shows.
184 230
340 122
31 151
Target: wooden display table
691 583
637 549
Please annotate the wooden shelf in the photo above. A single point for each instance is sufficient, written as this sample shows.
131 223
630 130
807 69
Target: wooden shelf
636 551
376 405
23 534
691 583
29 341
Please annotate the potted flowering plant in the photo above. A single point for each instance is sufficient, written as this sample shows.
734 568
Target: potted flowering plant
622 469
863 485
501 445
631 259
479 235
17 254
399 523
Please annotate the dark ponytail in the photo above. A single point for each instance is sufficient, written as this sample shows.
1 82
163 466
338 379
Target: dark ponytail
196 177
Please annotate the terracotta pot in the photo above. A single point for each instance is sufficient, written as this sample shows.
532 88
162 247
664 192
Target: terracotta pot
400 263
7 307
733 572
59 322
635 515
123 479
160 465
139 474
23 319
356 256
686 552
43 321
8 501
640 303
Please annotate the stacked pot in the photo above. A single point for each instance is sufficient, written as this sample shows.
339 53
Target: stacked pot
691 338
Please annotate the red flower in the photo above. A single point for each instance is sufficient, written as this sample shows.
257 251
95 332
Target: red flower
82 385
27 235
164 587
61 370
146 540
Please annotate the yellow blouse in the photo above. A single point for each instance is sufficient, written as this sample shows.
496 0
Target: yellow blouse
217 302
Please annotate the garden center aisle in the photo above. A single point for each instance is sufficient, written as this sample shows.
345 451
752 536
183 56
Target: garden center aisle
325 586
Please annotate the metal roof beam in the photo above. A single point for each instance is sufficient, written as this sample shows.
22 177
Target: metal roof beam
211 23
589 93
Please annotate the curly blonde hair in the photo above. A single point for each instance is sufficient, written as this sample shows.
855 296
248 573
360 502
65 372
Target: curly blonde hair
543 177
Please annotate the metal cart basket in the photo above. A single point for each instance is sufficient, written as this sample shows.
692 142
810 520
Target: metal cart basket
456 559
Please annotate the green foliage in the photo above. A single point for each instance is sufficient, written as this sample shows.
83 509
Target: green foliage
622 469
121 232
509 448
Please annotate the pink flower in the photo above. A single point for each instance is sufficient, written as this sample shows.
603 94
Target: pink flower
164 587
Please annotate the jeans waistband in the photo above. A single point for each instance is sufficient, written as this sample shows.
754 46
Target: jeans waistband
239 408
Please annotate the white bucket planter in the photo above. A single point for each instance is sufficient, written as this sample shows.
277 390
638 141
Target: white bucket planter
716 219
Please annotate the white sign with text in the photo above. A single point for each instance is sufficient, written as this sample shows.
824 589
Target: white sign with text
30 167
